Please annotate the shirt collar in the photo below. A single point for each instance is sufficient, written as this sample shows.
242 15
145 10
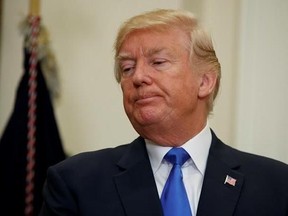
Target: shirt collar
197 148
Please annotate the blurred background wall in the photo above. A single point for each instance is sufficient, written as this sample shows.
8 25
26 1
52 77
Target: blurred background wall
250 38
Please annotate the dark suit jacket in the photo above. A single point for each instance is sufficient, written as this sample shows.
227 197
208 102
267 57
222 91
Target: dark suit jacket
119 182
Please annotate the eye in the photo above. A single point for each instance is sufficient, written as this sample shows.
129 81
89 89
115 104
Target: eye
159 62
127 71
127 67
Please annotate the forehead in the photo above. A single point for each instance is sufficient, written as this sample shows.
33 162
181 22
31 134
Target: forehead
150 41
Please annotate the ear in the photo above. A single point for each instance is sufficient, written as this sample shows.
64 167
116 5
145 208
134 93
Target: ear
207 84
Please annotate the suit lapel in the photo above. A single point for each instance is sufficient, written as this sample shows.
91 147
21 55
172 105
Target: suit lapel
217 197
136 185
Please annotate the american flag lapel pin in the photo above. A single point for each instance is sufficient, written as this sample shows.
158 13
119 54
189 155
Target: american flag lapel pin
229 180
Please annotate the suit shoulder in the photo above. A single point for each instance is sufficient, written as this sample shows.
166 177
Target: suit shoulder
107 157
231 153
97 156
91 165
250 162
247 158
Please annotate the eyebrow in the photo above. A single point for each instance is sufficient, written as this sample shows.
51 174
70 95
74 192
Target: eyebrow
154 51
124 56
127 56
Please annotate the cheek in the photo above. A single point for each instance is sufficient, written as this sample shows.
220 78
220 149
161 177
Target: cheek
125 88
127 92
189 89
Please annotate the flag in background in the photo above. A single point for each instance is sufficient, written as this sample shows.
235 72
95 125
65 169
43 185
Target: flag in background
31 141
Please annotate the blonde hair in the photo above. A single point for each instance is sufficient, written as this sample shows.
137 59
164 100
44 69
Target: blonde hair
200 44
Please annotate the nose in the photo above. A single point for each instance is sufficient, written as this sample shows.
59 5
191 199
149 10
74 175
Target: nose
142 75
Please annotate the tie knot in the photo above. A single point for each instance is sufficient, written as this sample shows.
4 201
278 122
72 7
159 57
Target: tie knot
177 156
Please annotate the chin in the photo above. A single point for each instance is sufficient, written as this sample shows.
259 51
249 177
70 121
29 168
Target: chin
147 118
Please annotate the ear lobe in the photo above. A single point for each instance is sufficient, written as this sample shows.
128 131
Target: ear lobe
207 84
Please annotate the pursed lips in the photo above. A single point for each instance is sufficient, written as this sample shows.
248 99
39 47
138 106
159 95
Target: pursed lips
146 98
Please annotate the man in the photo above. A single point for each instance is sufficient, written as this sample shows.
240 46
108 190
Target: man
169 74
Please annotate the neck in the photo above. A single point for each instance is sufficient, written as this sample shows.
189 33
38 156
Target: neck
173 135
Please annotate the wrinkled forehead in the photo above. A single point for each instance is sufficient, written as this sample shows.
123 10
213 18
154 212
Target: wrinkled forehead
152 40
152 29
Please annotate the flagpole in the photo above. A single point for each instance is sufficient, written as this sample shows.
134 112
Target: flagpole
34 26
31 141
34 7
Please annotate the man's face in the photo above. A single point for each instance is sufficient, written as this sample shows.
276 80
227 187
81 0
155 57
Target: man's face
158 84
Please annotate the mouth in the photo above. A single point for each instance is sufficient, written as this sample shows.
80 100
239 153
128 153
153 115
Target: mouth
146 99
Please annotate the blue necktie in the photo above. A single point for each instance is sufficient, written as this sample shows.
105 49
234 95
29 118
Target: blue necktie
174 198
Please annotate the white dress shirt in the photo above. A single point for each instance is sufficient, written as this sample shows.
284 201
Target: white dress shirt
193 169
